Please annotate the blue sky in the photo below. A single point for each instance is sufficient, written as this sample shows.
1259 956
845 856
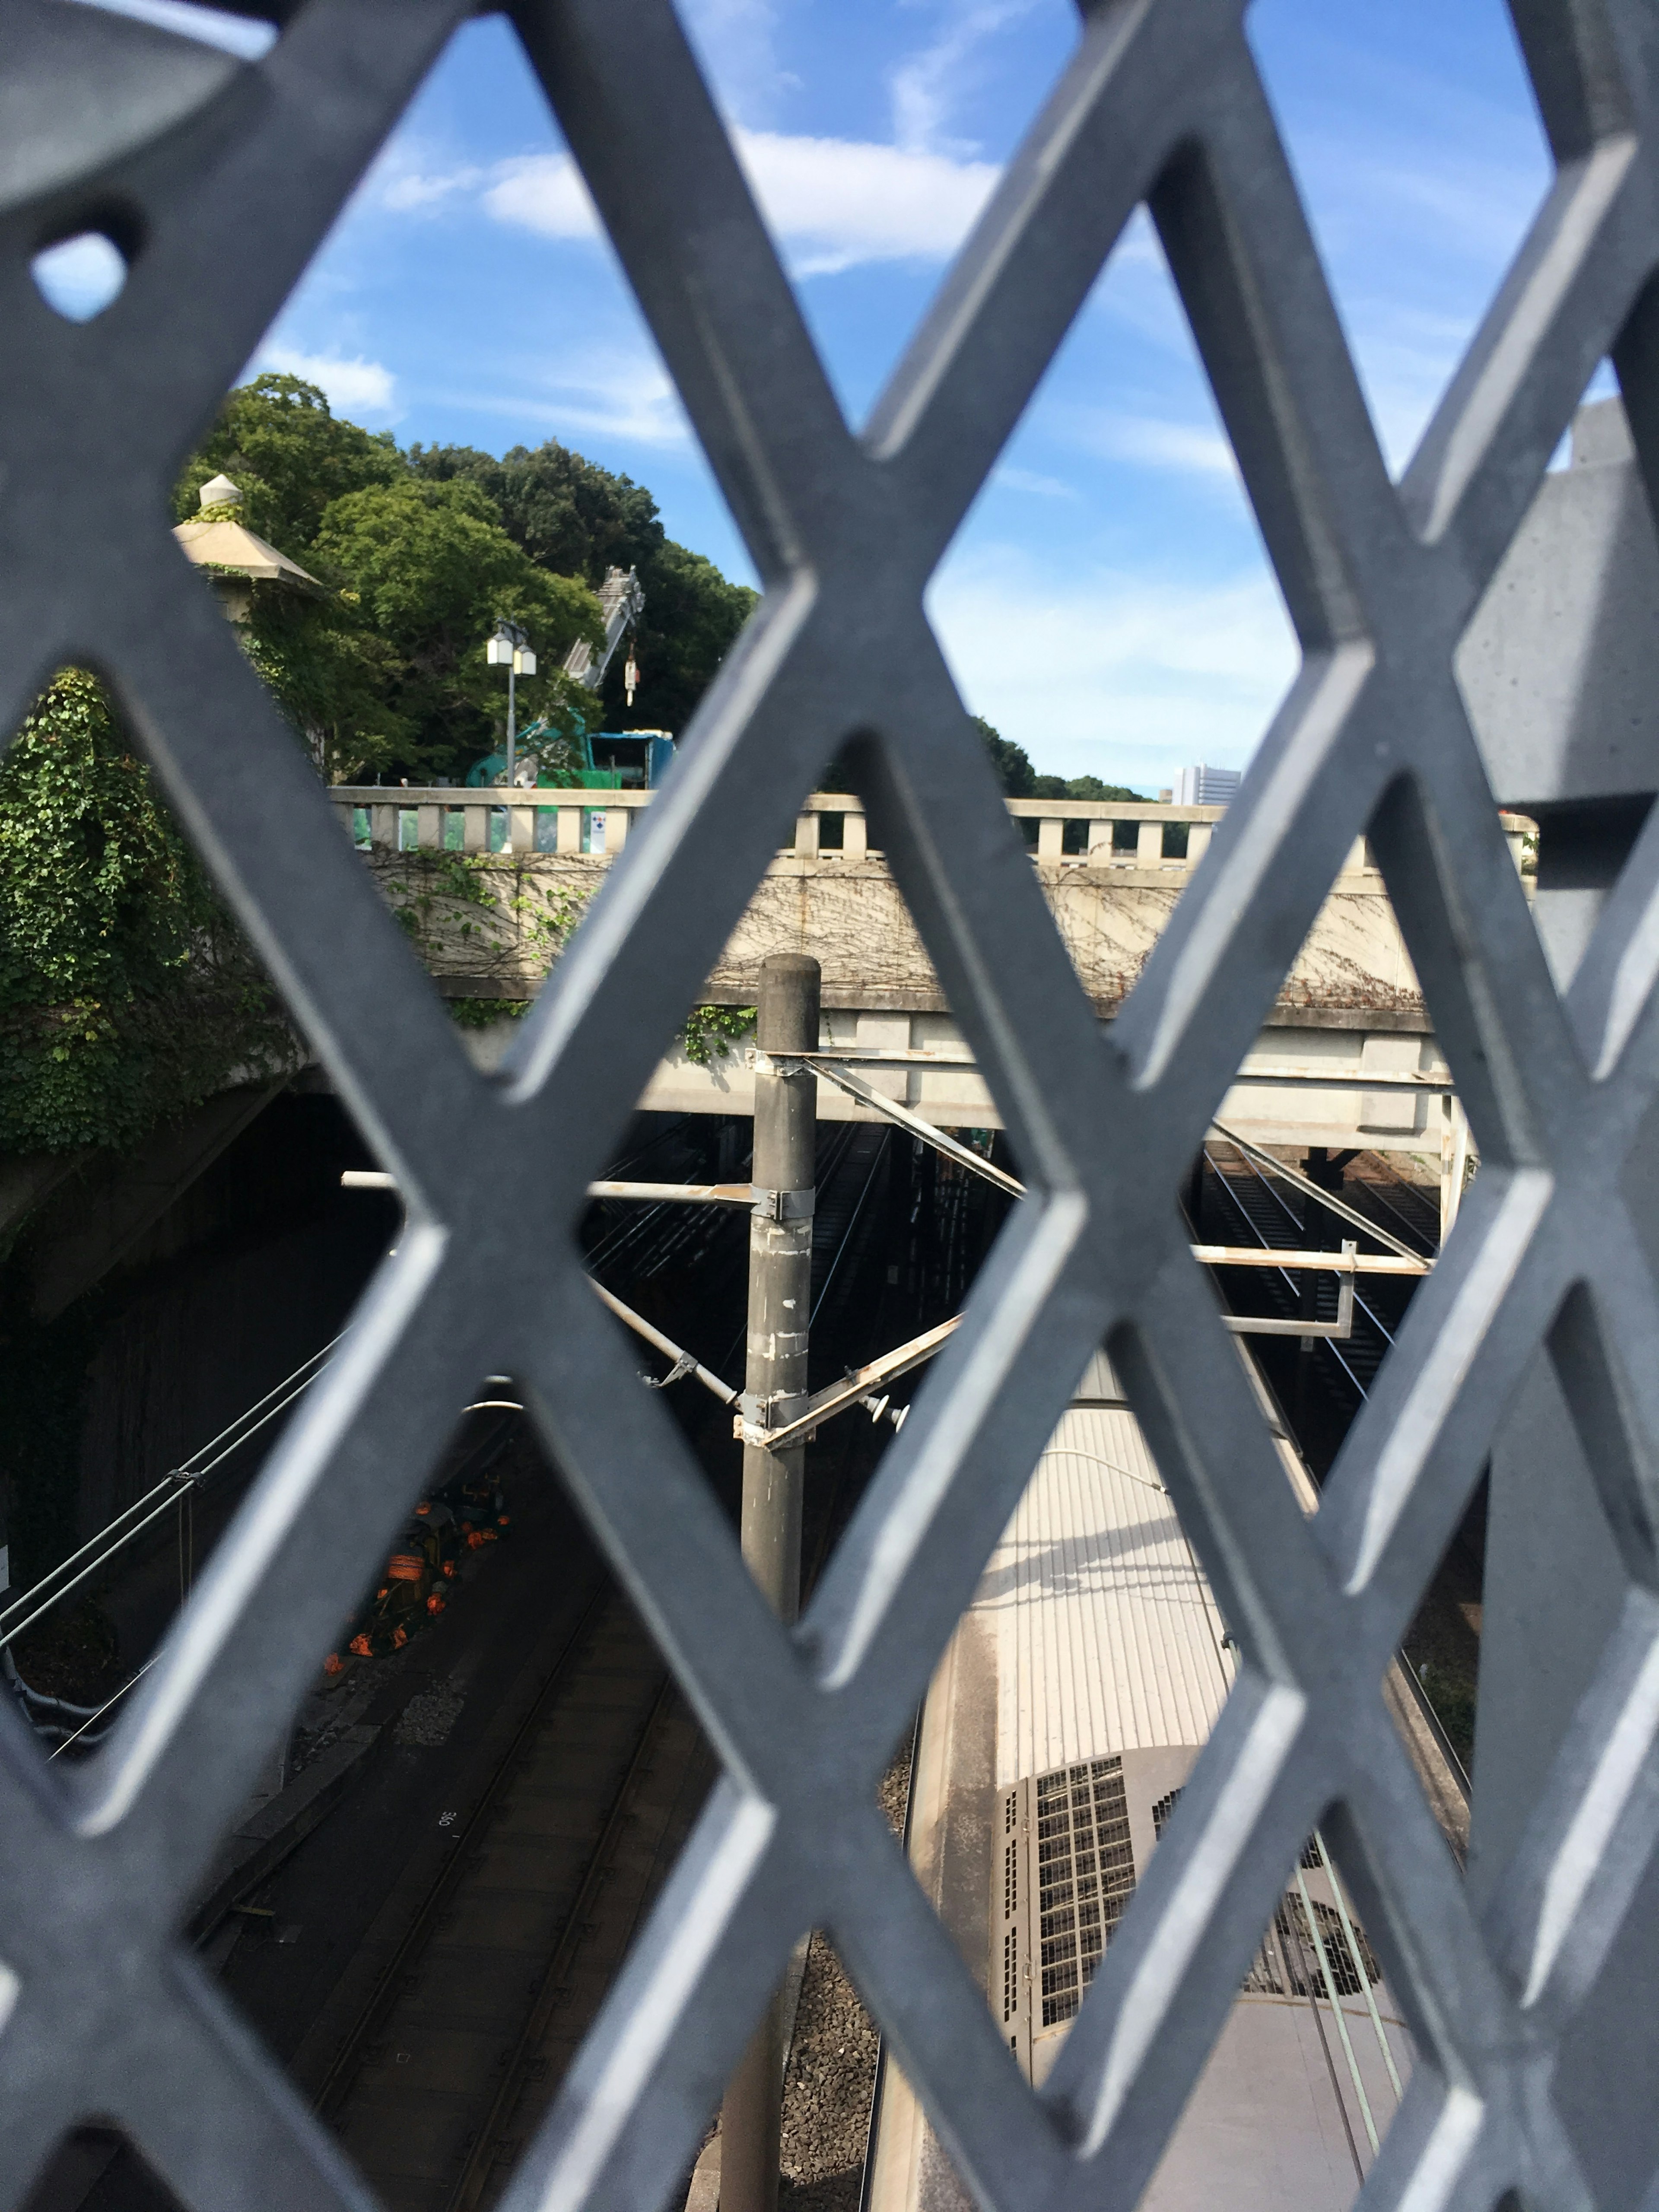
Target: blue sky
1107 602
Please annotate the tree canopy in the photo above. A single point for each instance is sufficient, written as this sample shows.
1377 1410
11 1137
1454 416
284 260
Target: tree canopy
290 457
428 568
568 514
1020 780
419 552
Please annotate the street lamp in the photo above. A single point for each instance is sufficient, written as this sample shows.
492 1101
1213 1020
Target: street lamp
509 648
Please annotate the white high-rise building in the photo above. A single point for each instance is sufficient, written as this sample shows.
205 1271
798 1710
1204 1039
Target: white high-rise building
1207 787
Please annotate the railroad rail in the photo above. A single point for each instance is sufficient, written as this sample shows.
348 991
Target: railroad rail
509 1954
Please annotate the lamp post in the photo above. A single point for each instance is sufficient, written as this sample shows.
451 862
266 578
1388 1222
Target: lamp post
509 648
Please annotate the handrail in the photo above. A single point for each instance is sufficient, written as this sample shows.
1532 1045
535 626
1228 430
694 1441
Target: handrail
559 819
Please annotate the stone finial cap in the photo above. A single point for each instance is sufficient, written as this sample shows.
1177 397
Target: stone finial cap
219 491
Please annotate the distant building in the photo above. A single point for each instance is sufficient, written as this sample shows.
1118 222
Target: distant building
1207 787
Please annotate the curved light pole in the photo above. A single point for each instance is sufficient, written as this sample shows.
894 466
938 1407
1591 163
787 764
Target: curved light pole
509 648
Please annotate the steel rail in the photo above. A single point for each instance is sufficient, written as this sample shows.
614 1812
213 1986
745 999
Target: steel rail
480 2157
908 1118
666 1345
684 1193
189 1481
1347 1261
187 1470
1254 1228
342 2067
852 1223
1371 1315
104 1707
1429 1237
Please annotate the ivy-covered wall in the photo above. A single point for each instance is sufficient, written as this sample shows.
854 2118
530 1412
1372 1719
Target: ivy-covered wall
126 992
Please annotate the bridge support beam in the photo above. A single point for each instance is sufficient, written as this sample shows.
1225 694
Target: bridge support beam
775 1394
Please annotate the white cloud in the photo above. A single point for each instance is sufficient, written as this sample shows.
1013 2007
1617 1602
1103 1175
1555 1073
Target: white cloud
543 193
1119 675
1152 442
838 202
621 395
1013 479
927 86
354 388
834 203
412 191
737 42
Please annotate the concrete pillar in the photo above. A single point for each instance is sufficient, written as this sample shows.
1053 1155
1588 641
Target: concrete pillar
774 1393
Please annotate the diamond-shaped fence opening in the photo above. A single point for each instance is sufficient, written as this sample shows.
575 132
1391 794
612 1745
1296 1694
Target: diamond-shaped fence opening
907 139
1109 590
1062 1731
1416 146
1340 1132
547 1773
235 176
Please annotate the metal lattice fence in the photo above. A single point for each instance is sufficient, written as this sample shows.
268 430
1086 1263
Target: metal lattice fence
218 179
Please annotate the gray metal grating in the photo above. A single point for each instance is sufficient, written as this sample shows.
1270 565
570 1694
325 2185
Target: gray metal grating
221 178
1084 1872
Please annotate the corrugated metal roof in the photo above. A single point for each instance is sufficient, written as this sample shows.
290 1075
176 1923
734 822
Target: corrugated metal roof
1108 1639
1100 1385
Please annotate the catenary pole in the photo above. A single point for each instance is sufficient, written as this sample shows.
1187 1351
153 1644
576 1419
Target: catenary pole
775 1394
512 714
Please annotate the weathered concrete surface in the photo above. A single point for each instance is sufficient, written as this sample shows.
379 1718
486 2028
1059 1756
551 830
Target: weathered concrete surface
1351 1006
1560 665
490 927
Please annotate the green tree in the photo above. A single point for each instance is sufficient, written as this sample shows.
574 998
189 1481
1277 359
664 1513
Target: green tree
1082 786
579 520
290 457
1020 780
334 677
568 514
1012 762
126 992
428 568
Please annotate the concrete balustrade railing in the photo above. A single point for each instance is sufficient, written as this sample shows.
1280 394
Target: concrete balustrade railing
1148 838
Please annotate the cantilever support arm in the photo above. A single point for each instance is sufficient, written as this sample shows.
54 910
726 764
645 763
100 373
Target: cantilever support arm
908 1118
717 1193
683 1363
854 1389
1331 1203
672 1194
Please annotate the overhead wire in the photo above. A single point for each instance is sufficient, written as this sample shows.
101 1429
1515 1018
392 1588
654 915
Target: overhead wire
179 1483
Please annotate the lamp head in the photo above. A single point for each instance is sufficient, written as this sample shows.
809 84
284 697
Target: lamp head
498 653
524 661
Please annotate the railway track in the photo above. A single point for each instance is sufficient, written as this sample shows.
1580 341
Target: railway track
465 2036
431 2015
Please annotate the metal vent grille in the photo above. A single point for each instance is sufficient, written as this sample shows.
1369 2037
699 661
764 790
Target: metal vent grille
230 175
1086 1874
1288 1965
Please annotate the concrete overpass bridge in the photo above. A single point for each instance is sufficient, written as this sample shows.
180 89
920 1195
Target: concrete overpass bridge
491 892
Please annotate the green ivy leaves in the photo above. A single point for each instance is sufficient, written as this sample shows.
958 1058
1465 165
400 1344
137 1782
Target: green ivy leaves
126 992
